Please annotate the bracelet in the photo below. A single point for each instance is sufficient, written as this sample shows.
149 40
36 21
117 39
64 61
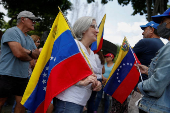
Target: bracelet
30 53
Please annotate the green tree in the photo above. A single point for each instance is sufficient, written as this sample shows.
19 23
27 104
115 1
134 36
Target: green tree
118 49
2 19
102 1
47 10
148 7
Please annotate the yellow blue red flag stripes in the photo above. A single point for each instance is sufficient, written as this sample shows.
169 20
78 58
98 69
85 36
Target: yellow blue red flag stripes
97 45
124 75
63 66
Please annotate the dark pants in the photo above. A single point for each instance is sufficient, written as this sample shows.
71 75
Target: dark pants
91 101
67 107
141 111
99 98
12 86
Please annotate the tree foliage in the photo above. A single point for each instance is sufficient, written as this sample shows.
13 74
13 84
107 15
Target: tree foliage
102 1
118 49
47 10
2 19
148 7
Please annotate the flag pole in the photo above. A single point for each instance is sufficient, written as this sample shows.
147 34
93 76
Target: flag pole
135 60
77 40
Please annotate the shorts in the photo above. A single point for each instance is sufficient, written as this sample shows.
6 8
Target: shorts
12 86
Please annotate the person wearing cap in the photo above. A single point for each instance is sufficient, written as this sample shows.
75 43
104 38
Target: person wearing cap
156 89
145 50
109 57
17 49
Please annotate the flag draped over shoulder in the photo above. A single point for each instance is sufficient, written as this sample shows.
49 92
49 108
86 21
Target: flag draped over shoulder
97 45
124 75
59 66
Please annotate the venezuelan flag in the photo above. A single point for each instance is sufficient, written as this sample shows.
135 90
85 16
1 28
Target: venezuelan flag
97 45
59 66
124 75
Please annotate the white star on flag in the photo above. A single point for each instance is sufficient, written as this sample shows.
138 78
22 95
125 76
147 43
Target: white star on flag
51 58
44 75
47 68
127 63
44 88
44 81
54 59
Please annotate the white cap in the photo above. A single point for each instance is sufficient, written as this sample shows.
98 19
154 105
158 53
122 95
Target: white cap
27 14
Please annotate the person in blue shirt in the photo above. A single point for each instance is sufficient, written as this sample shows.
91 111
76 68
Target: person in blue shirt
147 47
156 89
145 50
17 49
109 57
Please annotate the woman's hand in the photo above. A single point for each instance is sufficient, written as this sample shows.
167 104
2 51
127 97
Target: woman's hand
90 79
97 86
138 90
143 68
104 80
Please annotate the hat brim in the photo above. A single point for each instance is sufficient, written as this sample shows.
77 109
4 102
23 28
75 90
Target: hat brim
106 55
143 27
35 18
158 18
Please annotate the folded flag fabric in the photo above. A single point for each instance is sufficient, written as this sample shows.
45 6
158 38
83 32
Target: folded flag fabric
59 66
97 45
124 75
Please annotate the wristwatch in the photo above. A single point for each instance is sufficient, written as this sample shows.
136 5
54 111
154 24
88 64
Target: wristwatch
30 53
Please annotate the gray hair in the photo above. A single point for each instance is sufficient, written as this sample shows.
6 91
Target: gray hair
81 25
18 20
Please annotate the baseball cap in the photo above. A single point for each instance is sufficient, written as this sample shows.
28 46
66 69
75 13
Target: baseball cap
157 18
151 23
27 14
109 55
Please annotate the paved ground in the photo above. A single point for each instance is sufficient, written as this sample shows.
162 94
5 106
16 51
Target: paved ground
8 107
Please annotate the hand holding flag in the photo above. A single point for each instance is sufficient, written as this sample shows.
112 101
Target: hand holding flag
142 68
58 65
124 75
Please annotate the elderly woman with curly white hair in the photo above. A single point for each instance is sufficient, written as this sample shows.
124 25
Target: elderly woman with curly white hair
73 99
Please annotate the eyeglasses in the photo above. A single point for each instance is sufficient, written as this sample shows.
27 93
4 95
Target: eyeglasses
32 20
38 41
94 26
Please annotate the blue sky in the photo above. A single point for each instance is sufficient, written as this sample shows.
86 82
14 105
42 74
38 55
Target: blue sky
119 21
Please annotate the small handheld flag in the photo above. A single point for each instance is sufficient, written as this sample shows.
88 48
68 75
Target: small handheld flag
97 45
124 75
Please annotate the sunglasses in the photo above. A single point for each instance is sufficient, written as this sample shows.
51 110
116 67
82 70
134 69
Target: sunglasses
32 20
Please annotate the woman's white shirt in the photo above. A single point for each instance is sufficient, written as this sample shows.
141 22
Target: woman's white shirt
79 94
99 66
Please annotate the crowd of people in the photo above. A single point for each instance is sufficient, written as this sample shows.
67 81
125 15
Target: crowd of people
19 53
